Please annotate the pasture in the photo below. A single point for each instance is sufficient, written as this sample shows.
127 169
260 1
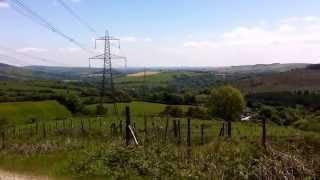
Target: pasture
95 147
161 78
138 108
22 112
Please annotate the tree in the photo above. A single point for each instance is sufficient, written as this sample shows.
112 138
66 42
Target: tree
226 103
71 101
173 111
197 112
101 110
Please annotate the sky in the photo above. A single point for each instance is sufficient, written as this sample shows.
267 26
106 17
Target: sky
176 33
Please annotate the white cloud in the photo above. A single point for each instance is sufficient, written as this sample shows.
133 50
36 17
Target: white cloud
301 19
32 49
69 50
147 39
128 39
295 39
200 44
4 4
260 35
132 39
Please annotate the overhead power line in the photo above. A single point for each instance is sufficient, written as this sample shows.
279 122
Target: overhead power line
20 62
24 10
46 60
76 16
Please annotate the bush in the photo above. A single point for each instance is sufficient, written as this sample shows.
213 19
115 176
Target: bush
3 123
101 110
173 111
71 101
197 113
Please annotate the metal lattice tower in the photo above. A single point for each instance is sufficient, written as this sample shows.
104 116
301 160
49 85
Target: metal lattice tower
107 58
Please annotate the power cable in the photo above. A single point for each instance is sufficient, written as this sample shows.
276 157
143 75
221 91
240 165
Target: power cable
29 13
76 16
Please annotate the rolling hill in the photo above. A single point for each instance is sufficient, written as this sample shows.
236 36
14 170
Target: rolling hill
298 79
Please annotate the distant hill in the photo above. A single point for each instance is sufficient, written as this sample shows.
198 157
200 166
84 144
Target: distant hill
297 79
77 73
261 68
74 73
8 72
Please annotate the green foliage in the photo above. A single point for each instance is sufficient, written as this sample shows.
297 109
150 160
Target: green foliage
118 162
197 113
308 123
101 110
226 103
266 112
3 123
71 101
173 111
281 115
22 112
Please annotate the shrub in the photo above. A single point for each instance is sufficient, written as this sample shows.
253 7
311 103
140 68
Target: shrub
173 111
197 112
101 110
71 101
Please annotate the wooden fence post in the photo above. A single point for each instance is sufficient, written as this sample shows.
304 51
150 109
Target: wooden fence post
179 131
14 131
175 128
37 127
229 128
44 130
222 130
120 128
89 123
100 123
189 132
202 133
3 139
145 124
127 125
64 123
71 123
82 126
264 133
166 129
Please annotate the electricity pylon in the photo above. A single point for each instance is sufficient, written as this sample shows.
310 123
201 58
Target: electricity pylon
107 58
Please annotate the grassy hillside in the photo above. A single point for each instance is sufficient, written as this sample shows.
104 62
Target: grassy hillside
160 79
8 72
22 112
300 79
137 108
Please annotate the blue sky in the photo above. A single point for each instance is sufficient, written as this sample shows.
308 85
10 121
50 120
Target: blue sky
171 32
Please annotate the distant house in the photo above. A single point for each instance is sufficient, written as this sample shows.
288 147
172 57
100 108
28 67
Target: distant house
245 118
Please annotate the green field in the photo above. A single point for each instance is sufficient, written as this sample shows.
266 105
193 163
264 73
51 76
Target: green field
137 108
73 153
22 112
159 79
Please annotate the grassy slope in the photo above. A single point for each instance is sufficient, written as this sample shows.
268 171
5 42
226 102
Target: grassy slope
138 108
20 112
160 79
244 135
302 79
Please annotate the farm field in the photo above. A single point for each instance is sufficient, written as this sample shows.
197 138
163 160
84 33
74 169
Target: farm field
24 112
161 78
138 108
